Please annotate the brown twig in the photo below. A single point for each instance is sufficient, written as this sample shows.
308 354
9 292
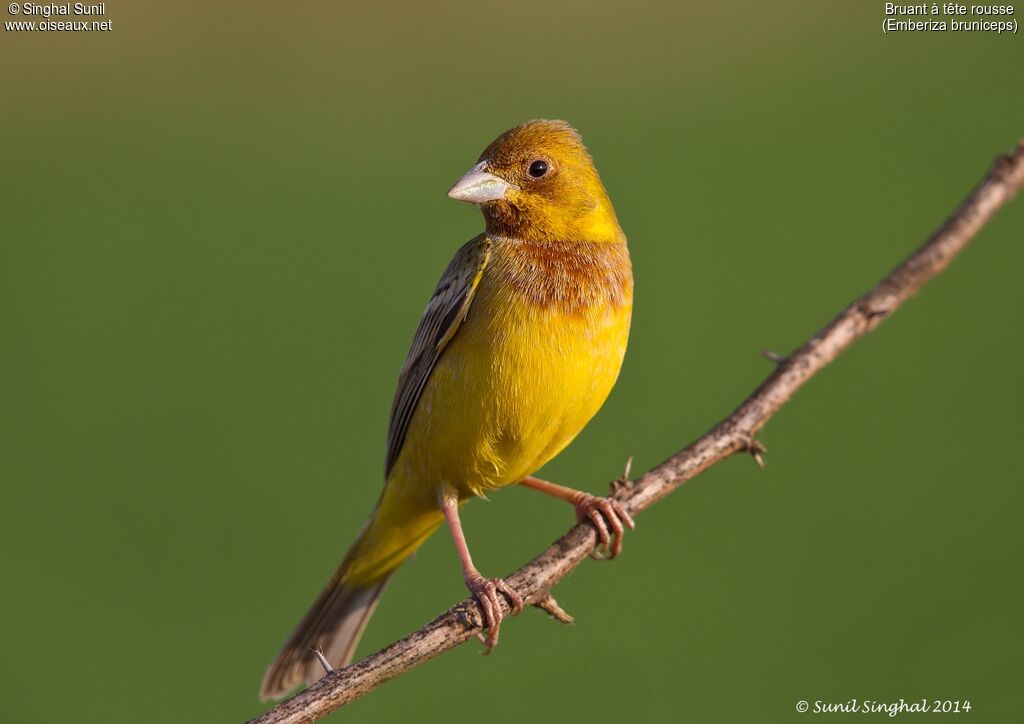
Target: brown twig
736 433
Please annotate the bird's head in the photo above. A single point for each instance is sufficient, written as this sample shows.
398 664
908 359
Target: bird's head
536 182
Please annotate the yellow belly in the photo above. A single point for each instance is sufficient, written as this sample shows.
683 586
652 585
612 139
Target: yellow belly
512 389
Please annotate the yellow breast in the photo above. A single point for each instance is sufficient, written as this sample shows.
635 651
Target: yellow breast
535 358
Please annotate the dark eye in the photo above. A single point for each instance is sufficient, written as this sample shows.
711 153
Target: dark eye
538 168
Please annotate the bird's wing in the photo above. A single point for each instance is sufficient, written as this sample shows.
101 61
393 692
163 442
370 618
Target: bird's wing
441 319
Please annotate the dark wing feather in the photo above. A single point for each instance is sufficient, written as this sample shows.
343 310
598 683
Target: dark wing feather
441 319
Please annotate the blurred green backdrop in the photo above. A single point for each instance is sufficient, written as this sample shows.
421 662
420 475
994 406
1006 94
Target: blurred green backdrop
220 226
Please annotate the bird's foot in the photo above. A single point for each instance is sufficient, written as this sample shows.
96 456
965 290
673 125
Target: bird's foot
610 519
607 515
486 590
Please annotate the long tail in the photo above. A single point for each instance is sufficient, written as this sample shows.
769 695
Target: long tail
337 618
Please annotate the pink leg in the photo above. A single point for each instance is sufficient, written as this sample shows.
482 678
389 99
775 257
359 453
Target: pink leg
485 590
603 513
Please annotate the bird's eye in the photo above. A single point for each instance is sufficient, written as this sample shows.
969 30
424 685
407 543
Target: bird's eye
538 168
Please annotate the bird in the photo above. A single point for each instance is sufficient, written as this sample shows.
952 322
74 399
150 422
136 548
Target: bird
517 349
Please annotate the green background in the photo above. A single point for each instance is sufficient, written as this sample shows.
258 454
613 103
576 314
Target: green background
220 225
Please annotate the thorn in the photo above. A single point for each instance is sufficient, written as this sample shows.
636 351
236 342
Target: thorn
756 450
549 604
773 356
1004 162
873 313
623 481
469 619
323 660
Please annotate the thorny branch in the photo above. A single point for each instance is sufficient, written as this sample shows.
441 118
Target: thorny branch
734 434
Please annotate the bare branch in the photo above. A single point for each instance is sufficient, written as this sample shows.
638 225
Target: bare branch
736 433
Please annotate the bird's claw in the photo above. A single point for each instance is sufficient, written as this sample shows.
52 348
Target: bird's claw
605 514
485 591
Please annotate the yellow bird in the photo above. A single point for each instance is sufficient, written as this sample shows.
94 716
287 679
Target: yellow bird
517 349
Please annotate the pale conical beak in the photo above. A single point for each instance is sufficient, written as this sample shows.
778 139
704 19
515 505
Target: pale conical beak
478 186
